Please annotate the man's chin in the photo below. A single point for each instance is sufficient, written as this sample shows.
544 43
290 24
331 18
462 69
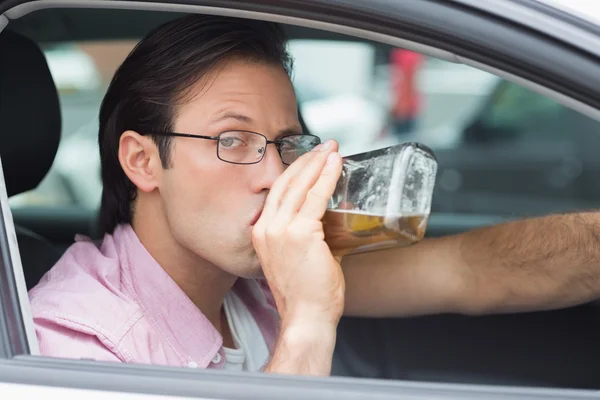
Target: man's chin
251 269
251 273
255 270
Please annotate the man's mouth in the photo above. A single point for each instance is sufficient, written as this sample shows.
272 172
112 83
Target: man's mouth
256 217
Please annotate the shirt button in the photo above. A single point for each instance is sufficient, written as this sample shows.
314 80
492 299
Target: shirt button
192 364
216 359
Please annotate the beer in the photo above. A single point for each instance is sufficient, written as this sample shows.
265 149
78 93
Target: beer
382 199
352 231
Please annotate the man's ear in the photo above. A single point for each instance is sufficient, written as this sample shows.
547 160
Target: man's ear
140 160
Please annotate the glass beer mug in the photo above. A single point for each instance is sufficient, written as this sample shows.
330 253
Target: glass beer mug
382 199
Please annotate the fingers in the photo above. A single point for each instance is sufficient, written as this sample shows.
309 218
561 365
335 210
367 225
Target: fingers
300 185
302 173
318 196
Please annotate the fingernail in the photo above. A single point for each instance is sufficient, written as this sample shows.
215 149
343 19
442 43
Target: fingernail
327 145
331 159
318 147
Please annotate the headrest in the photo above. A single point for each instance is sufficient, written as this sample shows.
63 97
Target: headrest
30 120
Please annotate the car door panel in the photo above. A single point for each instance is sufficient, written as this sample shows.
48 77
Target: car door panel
548 349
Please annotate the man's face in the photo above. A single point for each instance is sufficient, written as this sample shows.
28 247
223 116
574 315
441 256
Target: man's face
211 205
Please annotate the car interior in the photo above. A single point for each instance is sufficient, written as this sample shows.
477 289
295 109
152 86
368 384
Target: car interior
557 348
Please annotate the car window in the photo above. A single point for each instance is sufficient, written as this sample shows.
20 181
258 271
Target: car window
332 82
502 150
519 153
368 95
520 114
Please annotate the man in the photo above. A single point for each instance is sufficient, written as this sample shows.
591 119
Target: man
197 127
208 186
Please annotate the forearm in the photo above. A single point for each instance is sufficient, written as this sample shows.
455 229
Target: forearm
532 264
304 349
415 280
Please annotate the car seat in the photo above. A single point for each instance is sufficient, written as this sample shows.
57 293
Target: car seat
31 124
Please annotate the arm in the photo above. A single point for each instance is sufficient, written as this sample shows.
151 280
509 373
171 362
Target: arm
304 349
532 264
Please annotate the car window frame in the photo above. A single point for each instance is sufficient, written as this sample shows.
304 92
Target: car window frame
17 365
17 333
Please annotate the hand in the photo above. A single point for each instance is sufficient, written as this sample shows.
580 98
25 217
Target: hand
306 280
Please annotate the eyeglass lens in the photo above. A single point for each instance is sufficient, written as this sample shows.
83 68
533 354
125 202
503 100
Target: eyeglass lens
242 147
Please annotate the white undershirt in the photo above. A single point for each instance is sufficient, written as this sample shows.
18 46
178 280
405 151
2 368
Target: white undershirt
251 350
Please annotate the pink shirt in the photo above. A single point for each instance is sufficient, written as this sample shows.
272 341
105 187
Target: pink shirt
114 302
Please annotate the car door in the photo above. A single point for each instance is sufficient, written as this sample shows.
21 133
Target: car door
414 351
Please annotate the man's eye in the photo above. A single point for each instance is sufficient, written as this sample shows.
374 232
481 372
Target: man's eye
231 142
287 146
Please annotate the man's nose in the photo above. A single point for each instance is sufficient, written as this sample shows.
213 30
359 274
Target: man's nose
268 170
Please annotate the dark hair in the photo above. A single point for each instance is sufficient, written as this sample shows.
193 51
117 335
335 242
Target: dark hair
152 82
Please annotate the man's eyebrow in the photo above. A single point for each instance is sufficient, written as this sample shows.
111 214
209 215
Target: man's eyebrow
233 115
290 130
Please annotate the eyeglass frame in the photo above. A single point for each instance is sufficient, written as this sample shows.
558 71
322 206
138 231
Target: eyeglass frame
277 142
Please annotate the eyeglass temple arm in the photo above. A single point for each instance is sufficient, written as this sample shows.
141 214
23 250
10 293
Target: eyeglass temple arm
189 135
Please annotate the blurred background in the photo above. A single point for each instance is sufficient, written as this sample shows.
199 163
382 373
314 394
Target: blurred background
502 149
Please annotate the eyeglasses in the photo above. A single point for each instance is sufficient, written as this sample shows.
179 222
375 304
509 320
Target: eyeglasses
246 147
